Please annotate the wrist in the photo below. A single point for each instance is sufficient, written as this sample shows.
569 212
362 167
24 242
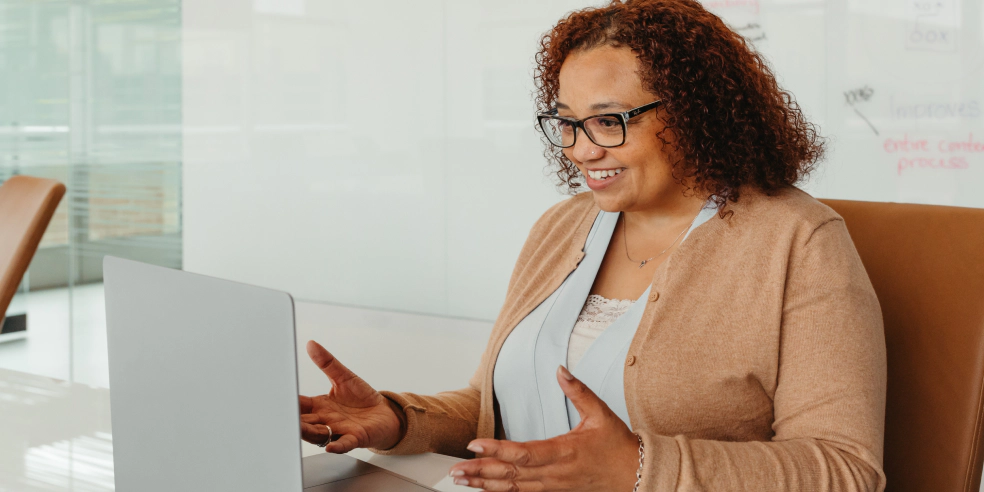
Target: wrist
623 463
394 438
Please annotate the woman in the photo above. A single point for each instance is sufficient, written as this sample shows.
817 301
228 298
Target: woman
721 326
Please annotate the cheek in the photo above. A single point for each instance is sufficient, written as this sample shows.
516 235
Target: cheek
637 157
650 156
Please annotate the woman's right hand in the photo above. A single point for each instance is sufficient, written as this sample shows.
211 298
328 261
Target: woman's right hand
359 416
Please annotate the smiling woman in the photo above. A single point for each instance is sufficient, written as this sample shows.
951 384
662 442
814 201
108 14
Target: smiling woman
725 120
694 322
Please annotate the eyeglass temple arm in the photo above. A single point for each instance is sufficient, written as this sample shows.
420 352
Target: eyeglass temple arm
628 114
641 109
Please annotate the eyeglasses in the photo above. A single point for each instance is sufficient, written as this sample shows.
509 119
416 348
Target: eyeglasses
605 130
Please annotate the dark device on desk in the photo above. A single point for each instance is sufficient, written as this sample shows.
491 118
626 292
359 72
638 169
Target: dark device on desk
13 327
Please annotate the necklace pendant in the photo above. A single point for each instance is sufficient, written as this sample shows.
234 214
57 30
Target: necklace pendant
642 264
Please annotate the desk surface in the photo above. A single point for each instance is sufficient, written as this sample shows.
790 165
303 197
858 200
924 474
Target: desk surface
56 436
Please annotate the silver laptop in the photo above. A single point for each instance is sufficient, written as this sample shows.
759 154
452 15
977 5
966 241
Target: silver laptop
203 387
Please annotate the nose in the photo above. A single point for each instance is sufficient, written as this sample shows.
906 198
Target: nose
585 150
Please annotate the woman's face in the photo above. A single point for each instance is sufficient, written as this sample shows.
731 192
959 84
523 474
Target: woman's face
605 80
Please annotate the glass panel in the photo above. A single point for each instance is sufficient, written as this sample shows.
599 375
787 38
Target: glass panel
34 140
91 96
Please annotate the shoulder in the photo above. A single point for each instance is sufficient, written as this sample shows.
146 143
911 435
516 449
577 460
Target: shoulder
559 232
566 214
789 209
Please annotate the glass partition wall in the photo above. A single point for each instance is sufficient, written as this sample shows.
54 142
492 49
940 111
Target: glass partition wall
90 94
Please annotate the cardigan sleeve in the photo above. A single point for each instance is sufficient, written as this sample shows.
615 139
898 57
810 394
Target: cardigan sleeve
829 404
443 423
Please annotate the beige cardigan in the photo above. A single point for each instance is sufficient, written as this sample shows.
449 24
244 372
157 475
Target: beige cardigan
759 363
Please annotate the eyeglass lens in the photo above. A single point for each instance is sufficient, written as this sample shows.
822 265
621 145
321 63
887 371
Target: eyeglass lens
606 131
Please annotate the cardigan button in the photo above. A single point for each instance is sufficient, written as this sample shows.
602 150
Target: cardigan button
653 296
630 360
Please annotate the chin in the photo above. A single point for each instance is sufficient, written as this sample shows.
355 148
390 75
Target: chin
608 204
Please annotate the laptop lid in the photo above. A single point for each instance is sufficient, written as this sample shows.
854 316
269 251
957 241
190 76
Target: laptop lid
203 382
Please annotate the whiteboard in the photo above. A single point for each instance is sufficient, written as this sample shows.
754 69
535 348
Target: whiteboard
894 84
291 182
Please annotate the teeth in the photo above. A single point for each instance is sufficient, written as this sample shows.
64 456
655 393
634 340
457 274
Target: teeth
604 174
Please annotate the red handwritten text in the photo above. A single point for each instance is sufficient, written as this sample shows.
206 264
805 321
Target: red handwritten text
943 153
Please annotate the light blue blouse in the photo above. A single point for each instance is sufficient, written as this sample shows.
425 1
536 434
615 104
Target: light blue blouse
531 402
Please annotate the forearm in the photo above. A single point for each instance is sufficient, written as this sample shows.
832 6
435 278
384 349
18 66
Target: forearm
682 464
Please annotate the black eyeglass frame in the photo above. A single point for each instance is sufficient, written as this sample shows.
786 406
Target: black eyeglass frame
623 119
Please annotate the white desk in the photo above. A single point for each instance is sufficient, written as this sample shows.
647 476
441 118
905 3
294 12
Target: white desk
56 436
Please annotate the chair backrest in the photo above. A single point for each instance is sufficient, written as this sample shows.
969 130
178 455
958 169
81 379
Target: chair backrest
927 266
26 207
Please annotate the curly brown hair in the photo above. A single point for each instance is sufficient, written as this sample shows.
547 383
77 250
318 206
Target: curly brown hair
733 125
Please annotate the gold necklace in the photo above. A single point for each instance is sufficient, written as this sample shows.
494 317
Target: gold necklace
625 241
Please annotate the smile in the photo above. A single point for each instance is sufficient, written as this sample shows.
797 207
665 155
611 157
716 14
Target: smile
603 174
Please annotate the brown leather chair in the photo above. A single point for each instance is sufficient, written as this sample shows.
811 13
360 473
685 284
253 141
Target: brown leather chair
26 207
927 266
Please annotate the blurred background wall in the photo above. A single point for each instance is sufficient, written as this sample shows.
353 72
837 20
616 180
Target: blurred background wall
365 153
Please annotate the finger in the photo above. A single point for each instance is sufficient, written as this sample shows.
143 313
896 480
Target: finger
530 453
313 430
319 427
324 416
328 364
307 404
344 444
585 401
347 427
488 468
495 485
314 433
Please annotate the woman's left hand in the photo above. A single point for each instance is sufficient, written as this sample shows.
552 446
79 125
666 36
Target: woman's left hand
601 453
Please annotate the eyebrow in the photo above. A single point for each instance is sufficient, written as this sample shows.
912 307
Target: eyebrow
598 106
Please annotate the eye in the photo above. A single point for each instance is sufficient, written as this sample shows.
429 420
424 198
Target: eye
608 122
604 125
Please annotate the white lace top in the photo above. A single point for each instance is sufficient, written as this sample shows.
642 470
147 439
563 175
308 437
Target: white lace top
598 312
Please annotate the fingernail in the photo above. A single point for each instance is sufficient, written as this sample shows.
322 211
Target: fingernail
567 374
456 473
461 481
475 448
